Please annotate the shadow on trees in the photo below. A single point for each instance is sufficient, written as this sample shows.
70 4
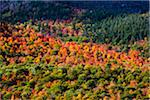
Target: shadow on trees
14 11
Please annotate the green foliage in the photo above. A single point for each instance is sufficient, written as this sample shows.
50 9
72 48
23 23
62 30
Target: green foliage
121 29
80 80
78 39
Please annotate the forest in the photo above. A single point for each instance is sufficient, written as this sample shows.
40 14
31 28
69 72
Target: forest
74 50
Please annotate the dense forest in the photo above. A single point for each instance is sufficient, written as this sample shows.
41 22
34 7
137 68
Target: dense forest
76 50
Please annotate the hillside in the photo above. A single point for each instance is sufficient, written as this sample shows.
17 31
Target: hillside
68 50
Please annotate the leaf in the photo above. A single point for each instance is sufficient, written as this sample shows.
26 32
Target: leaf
133 83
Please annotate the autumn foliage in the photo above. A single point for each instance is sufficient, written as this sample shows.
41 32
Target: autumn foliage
74 58
23 45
